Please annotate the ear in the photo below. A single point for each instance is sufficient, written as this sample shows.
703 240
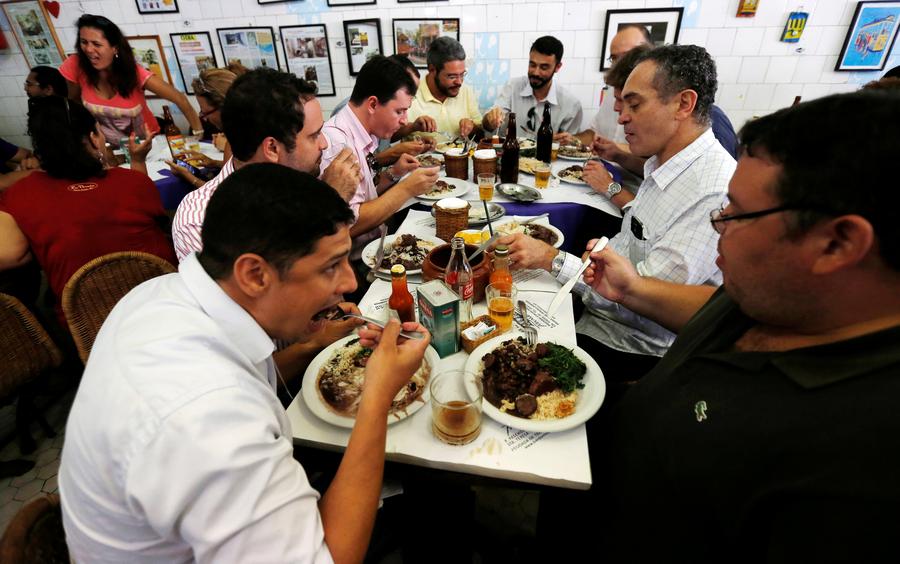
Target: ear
687 101
558 66
98 142
252 275
842 243
270 149
371 104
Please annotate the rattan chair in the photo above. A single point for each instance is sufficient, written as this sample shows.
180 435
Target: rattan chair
26 352
92 292
35 534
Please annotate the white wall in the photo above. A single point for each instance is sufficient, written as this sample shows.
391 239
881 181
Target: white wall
757 73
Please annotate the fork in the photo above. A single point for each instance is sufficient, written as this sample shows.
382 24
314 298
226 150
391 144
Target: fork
531 334
379 255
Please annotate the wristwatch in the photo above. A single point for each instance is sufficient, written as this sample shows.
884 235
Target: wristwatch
613 189
558 261
395 179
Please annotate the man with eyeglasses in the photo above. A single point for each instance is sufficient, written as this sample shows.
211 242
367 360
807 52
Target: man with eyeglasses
769 431
445 103
665 229
526 96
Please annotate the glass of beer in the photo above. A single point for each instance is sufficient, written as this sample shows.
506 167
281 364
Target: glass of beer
486 183
456 406
541 175
554 151
501 300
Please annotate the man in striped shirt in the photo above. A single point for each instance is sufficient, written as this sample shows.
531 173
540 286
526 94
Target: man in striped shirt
268 116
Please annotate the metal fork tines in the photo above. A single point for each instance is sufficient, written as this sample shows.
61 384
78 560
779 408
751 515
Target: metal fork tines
529 330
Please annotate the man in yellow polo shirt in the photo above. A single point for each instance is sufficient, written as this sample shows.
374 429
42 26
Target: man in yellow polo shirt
445 104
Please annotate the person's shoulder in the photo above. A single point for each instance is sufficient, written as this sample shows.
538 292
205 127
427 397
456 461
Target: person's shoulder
71 68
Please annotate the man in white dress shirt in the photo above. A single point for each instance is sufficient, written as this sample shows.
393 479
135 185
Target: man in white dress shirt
665 229
177 448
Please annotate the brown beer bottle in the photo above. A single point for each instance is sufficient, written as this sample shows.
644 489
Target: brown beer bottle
544 137
509 160
173 135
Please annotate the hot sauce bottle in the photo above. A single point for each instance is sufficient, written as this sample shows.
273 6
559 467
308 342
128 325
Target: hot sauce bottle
401 301
501 277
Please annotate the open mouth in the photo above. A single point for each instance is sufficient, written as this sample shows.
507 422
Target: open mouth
329 313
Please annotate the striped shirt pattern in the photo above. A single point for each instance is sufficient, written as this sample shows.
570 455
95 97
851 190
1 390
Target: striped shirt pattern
190 213
678 244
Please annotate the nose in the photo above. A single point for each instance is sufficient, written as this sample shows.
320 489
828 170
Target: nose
624 117
403 118
347 281
323 142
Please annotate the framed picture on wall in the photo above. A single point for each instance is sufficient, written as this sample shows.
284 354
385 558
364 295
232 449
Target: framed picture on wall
662 25
34 32
413 37
363 40
307 55
193 54
157 6
148 52
252 47
871 36
350 2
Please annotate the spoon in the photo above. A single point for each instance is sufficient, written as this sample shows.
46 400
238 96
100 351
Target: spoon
407 334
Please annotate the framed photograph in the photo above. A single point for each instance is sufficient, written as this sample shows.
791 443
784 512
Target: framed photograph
350 2
157 6
253 47
194 54
363 40
412 37
148 52
663 24
307 55
34 32
870 37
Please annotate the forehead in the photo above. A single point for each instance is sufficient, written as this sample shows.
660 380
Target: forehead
454 67
753 182
91 33
541 59
626 40
640 81
327 248
312 115
401 99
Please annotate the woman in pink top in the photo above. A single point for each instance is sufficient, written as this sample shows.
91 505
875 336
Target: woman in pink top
104 76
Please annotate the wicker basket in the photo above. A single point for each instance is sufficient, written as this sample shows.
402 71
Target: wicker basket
469 345
449 221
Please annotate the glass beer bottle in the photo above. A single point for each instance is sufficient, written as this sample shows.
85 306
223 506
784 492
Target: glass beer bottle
401 301
173 135
460 278
509 160
545 137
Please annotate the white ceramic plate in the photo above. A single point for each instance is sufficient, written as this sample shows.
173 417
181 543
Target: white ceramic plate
569 180
444 147
436 156
562 157
544 222
460 188
313 399
590 398
370 250
476 212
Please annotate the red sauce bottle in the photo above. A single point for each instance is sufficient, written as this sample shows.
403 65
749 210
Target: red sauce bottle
401 301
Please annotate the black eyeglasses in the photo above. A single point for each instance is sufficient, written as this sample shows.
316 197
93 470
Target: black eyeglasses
718 217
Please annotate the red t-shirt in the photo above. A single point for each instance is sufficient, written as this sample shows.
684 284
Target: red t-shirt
71 223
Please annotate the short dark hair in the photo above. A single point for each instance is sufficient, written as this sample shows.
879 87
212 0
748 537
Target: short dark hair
264 103
685 67
52 78
548 45
123 73
404 62
619 72
382 78
59 130
640 27
443 50
884 83
835 174
271 210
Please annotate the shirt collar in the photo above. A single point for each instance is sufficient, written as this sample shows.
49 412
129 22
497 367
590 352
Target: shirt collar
527 91
361 137
664 174
249 338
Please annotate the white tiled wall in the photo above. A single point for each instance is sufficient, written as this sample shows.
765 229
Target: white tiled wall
757 73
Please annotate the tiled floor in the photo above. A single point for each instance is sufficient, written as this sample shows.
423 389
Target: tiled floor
40 480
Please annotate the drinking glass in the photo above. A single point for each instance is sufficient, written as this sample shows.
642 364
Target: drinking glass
501 300
541 175
456 406
554 151
486 183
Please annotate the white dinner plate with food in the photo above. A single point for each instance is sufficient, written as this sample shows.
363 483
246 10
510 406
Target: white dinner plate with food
446 146
332 384
573 153
528 164
399 251
571 174
447 187
477 216
540 229
427 160
551 403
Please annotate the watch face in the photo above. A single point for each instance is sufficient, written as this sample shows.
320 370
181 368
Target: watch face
614 188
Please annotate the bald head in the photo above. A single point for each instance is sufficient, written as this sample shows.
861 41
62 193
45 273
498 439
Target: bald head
626 40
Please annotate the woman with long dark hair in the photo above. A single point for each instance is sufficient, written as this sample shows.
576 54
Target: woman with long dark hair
75 209
105 77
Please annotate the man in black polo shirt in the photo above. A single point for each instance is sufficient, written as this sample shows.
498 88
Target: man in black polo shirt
770 430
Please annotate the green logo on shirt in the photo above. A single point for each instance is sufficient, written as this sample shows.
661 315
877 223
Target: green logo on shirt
700 411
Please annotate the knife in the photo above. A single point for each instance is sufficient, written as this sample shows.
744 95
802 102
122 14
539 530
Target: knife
567 287
533 219
483 246
379 255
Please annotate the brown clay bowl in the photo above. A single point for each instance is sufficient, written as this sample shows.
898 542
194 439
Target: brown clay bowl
435 266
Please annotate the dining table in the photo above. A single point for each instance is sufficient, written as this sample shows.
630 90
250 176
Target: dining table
501 451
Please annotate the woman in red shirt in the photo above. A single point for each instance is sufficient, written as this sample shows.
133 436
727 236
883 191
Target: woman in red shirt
104 76
74 209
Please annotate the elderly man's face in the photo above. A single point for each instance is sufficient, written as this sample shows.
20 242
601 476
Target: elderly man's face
623 42
450 78
650 122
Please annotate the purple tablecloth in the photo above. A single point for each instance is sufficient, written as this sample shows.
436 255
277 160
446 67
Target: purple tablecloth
172 189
